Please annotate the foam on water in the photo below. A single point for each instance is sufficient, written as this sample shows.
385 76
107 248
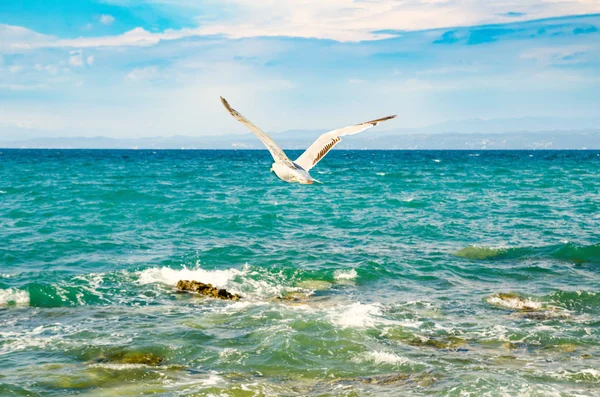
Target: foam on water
516 302
382 357
358 315
166 275
13 296
345 274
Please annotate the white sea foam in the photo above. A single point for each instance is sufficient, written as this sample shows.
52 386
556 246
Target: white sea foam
231 355
587 374
345 274
437 160
38 337
13 296
358 315
213 379
380 173
166 275
249 282
381 357
591 372
516 302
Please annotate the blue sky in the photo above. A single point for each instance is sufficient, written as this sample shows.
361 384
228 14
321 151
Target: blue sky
125 68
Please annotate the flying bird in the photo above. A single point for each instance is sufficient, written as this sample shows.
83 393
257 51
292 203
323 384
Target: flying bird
297 171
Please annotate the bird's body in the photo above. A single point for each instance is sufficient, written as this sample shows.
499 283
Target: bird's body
289 174
298 171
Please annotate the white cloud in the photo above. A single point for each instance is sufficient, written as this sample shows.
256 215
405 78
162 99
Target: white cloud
135 37
106 19
340 20
76 58
15 68
22 87
141 74
90 60
19 38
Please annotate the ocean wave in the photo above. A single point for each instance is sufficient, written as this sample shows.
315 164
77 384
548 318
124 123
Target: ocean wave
558 305
166 275
156 284
584 375
345 274
513 301
576 300
14 297
568 251
250 282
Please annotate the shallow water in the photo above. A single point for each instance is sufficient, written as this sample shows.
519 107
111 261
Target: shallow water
410 272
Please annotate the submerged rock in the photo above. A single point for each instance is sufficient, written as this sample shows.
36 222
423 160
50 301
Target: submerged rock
294 297
128 357
546 315
419 379
206 289
452 343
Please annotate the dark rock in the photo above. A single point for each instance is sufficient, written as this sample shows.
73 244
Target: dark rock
128 357
422 379
206 289
546 315
452 343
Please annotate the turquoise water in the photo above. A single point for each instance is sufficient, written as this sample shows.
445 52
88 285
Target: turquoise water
405 273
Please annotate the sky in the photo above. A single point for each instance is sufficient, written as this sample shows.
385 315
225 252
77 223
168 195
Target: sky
127 69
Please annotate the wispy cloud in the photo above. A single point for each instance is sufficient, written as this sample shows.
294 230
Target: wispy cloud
76 59
340 20
106 19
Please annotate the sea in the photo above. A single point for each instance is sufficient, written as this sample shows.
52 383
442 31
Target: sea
404 273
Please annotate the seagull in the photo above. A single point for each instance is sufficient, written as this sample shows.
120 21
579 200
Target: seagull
297 171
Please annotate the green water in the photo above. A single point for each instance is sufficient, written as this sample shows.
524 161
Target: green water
405 273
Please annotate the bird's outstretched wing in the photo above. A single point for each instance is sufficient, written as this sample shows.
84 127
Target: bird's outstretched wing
278 155
328 140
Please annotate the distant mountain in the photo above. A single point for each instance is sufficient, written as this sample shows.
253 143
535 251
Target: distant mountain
497 126
373 139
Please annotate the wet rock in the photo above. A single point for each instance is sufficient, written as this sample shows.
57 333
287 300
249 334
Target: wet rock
384 379
121 357
545 315
505 359
450 343
294 297
515 345
206 290
424 379
514 301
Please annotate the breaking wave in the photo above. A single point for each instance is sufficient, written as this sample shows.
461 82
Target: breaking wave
568 251
13 297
